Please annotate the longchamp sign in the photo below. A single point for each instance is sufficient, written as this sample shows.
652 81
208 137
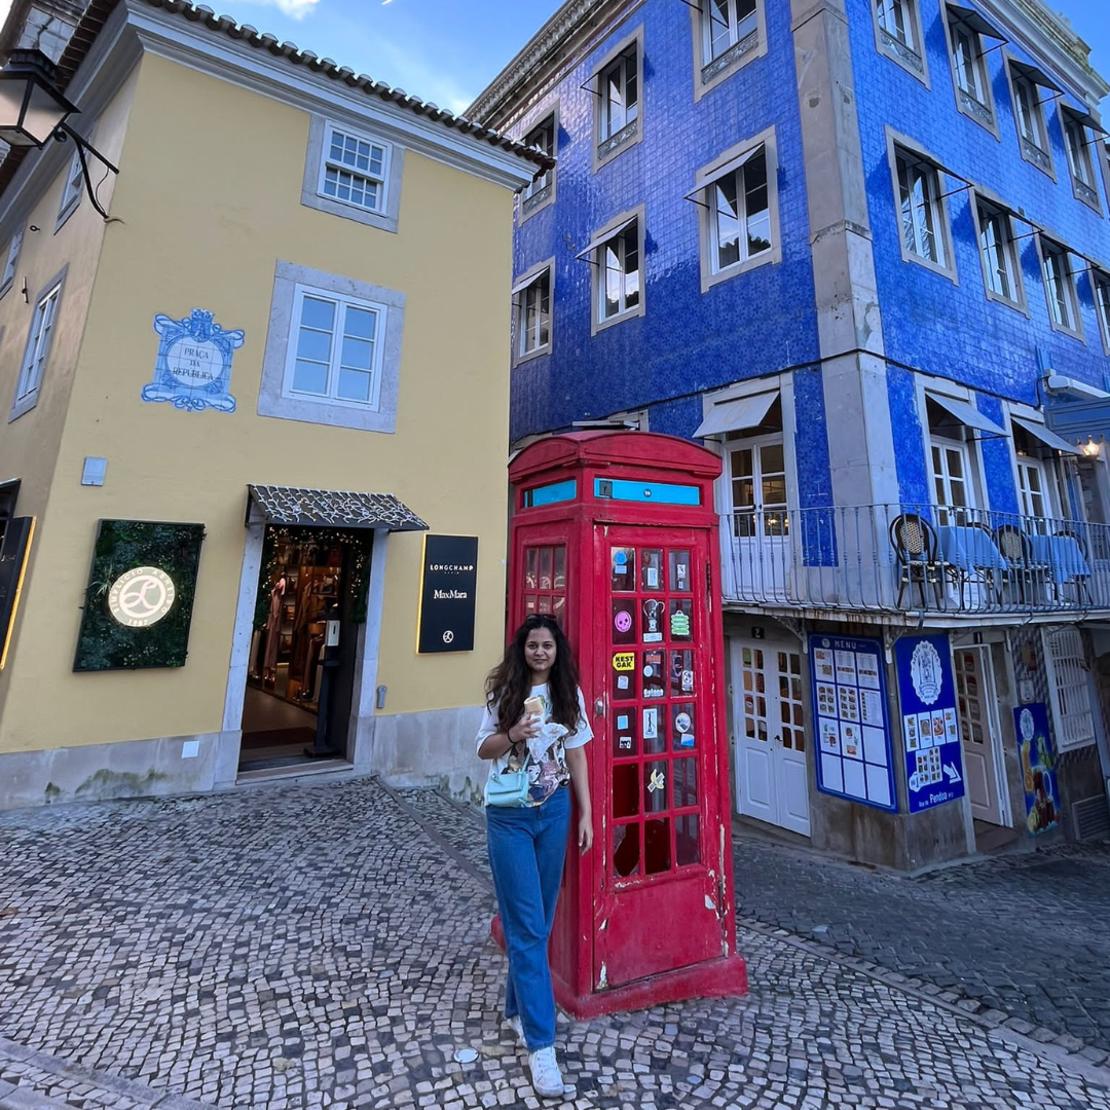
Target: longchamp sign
448 585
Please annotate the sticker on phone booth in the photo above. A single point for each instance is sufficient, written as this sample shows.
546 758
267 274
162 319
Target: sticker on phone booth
681 620
624 621
651 723
622 722
623 568
653 675
680 571
625 743
651 568
653 620
682 725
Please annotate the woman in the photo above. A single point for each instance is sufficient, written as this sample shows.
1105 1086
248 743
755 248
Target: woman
527 842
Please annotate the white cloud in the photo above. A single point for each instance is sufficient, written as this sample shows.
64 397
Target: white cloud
295 9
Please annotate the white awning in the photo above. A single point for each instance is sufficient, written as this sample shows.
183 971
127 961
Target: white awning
976 21
965 414
603 237
710 176
1048 437
1036 75
736 415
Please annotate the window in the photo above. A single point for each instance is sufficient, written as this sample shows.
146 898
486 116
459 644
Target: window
14 248
352 175
740 219
620 105
38 350
1101 283
533 314
333 351
1001 268
541 191
951 480
973 90
899 33
727 34
724 24
1079 158
1069 688
619 284
72 190
1029 113
1033 488
616 86
922 214
1059 286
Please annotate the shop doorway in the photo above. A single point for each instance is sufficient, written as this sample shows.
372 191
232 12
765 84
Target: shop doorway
301 670
981 735
772 783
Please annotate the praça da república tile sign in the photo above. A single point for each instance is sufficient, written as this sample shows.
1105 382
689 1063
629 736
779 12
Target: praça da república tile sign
139 598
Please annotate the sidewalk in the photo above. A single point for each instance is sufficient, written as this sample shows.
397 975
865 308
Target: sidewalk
326 945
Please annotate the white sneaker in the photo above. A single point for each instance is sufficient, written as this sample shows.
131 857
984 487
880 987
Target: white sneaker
516 1026
547 1080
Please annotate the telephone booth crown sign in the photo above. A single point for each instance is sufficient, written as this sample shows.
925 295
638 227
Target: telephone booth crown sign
615 535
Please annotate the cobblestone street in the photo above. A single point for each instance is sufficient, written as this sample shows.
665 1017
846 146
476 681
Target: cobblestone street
326 945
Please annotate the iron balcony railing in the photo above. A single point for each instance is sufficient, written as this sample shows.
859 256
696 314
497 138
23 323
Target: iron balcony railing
914 559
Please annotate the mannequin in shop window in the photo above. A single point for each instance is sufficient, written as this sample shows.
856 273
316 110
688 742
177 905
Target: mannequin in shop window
273 632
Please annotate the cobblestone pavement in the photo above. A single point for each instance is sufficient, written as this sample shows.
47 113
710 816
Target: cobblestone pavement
1028 934
327 945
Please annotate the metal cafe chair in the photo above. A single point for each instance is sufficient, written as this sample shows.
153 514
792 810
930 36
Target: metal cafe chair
1023 569
1079 577
915 545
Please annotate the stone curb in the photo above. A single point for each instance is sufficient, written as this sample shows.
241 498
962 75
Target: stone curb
20 1098
1061 1049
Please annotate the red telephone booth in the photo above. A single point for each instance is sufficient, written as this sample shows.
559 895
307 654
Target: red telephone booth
615 534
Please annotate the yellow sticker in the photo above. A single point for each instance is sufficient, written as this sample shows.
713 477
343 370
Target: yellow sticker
624 661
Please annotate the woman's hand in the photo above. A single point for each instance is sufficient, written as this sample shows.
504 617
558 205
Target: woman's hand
585 831
524 729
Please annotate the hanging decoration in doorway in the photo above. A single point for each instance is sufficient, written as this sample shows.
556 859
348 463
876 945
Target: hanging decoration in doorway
1038 767
193 368
139 598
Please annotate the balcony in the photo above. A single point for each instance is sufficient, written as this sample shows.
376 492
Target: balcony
924 563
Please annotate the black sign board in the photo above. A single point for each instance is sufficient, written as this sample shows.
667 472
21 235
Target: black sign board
448 585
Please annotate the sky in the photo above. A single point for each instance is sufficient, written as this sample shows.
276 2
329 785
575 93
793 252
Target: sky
447 51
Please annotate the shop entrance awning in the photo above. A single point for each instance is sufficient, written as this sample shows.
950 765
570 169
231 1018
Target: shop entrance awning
330 508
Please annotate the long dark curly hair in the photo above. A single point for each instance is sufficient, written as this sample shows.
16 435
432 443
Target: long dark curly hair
510 682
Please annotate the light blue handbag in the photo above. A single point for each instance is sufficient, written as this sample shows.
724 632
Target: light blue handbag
509 788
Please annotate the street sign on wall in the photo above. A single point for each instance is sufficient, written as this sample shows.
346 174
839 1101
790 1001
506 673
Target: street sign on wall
854 758
448 585
930 724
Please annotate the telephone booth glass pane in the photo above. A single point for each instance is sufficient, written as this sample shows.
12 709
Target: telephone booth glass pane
682 673
686 842
679 572
625 734
654 741
623 569
624 621
657 846
626 790
545 581
651 569
626 850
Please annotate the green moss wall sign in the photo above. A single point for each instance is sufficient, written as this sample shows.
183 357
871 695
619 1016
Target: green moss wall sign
139 600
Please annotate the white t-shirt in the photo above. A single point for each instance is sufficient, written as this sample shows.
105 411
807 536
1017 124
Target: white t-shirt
547 768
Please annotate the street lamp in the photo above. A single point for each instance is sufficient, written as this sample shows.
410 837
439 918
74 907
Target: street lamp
33 111
1090 448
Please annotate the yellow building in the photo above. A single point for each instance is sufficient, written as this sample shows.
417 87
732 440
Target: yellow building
301 290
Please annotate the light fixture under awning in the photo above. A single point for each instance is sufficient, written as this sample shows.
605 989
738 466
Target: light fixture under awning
977 23
737 415
604 237
291 505
1047 437
965 414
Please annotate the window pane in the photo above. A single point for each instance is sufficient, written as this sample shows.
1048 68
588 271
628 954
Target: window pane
317 313
686 842
310 377
357 354
728 220
354 385
772 459
359 323
314 345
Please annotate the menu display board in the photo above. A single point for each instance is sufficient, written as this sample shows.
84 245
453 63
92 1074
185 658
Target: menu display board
854 757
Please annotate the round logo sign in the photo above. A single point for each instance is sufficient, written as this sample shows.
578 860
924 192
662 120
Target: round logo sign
623 620
449 637
1026 725
926 673
141 597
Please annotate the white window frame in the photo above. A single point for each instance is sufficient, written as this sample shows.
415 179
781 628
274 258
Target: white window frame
602 237
1081 166
1030 120
1054 254
14 249
734 161
746 41
37 351
73 190
1100 288
899 148
758 509
1064 653
609 143
521 289
946 504
899 35
970 63
276 398
385 216
985 212
327 162
539 193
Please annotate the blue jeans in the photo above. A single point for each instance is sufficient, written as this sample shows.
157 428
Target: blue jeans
527 846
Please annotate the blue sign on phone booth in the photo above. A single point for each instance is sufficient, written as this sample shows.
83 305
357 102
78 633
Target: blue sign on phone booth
930 725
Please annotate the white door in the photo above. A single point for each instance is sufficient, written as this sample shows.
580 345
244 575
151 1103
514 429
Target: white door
976 701
772 782
759 523
951 481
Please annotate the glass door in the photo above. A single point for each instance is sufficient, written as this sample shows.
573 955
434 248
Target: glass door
760 525
662 756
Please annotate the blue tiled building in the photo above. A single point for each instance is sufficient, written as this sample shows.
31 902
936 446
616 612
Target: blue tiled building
862 248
